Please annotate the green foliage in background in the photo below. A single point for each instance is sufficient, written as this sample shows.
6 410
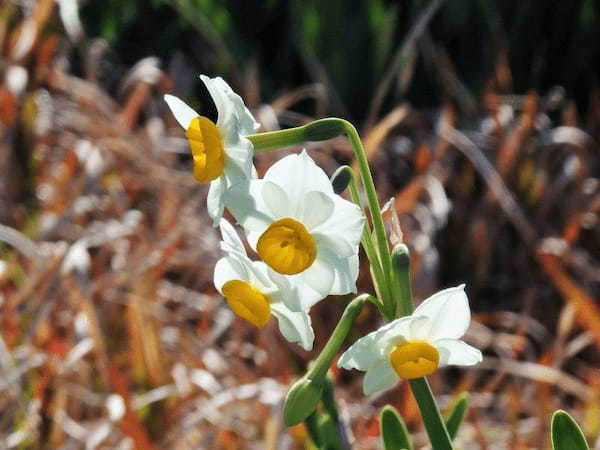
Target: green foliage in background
348 45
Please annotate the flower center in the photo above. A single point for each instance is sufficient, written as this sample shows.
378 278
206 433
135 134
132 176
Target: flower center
287 247
207 149
247 302
414 359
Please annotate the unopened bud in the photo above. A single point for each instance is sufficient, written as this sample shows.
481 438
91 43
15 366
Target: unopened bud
401 258
301 400
323 129
341 179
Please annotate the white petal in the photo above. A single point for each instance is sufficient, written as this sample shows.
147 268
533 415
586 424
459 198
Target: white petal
334 245
275 199
297 175
448 313
294 326
368 349
182 112
346 223
361 355
394 333
246 204
319 276
229 268
419 328
260 277
215 203
234 119
317 207
293 292
225 108
345 278
344 269
457 353
240 157
231 240
379 377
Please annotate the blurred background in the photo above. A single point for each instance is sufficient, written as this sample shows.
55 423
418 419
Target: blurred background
481 120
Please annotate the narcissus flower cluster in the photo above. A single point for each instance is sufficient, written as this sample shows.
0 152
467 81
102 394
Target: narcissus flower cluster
306 236
305 240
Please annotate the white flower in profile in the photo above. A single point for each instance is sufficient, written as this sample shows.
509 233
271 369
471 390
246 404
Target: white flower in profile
222 154
415 345
254 294
300 228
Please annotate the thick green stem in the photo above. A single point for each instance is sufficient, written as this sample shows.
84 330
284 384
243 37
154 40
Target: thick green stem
305 394
321 364
271 140
436 430
367 242
434 424
367 179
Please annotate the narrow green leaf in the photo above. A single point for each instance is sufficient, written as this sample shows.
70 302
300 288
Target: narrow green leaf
566 434
457 415
312 427
328 398
329 433
393 430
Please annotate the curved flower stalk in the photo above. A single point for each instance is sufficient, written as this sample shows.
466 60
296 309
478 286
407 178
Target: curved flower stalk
300 228
415 346
254 294
222 153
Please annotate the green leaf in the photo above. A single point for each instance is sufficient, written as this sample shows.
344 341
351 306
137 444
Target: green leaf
566 434
393 430
328 398
457 415
329 433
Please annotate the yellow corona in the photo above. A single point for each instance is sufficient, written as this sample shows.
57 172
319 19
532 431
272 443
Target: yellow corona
414 359
207 149
247 302
287 247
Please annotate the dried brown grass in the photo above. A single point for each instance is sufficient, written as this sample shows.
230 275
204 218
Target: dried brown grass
106 280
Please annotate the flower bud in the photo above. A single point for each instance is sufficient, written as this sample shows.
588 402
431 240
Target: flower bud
301 400
401 258
341 179
323 129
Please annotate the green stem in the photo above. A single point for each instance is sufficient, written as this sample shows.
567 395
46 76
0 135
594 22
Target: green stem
367 179
305 394
321 365
434 424
436 430
263 142
368 245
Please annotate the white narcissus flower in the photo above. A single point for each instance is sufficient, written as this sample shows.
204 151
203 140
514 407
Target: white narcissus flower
254 294
222 153
415 345
300 228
